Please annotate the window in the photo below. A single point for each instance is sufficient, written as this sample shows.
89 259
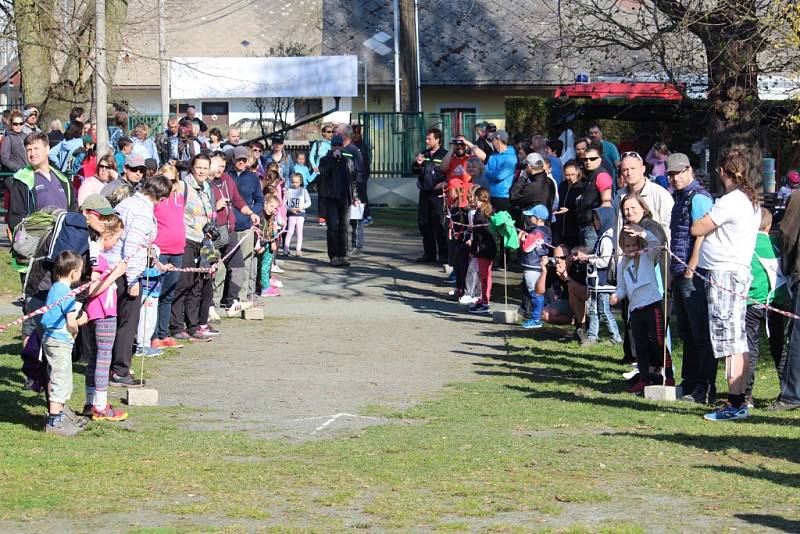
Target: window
214 108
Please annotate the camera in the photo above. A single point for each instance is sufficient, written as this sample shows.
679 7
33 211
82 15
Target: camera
551 261
211 231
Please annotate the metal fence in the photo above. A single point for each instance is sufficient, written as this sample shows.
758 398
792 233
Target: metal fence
152 121
394 139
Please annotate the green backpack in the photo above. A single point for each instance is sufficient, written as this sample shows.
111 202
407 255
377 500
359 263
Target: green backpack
29 232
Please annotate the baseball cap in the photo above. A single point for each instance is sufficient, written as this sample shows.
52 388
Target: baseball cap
539 211
677 162
337 140
99 203
151 164
134 160
277 140
491 127
793 177
535 160
240 152
87 140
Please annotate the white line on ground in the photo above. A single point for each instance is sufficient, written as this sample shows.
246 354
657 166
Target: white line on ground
333 418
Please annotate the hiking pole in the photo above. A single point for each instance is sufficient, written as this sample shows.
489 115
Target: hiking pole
505 278
666 319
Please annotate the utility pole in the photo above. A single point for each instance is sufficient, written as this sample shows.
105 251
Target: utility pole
409 94
162 58
100 77
396 13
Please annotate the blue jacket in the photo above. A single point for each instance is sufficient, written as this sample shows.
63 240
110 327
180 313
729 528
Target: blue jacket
500 172
60 153
680 225
249 187
307 175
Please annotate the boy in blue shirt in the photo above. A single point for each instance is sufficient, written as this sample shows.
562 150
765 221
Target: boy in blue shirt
534 239
60 325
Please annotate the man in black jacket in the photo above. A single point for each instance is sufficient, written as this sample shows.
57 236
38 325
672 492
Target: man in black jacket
431 184
341 171
532 187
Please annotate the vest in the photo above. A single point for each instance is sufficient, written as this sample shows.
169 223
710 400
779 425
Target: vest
680 225
590 199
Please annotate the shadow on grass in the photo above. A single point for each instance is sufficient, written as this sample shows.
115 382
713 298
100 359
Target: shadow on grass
771 521
16 403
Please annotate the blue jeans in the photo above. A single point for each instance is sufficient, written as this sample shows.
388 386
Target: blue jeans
599 304
698 366
168 284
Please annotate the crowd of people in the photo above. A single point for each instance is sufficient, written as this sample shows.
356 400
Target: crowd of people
595 228
163 236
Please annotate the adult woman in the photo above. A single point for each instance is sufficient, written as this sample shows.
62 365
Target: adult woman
280 156
193 293
476 168
56 132
657 159
118 130
63 153
143 144
729 230
214 139
565 230
94 184
12 150
171 242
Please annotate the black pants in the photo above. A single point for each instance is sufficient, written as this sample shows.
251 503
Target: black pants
431 226
628 353
699 367
754 318
234 272
502 204
458 257
647 336
193 294
338 221
127 323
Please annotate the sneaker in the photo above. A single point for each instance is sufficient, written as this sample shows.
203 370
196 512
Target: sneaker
276 269
456 294
271 292
148 352
580 335
298 253
781 406
479 308
532 323
213 316
467 299
75 419
588 341
701 395
166 343
274 282
637 388
183 335
321 222
62 426
451 279
199 335
124 381
283 252
109 414
617 341
355 253
368 221
728 413
87 411
207 330
748 400
234 309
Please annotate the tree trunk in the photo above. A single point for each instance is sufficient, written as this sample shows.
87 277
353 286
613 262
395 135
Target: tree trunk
34 21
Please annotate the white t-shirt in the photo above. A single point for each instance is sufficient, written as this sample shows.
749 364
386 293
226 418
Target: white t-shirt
730 247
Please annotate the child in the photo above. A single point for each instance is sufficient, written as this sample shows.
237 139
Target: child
297 202
125 146
640 282
301 168
535 239
792 183
597 277
60 325
457 249
150 284
101 311
483 247
268 245
768 287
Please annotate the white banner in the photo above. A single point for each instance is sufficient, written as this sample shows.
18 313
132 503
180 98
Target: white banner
251 77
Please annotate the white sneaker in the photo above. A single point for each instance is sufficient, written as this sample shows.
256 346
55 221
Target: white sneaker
213 315
275 282
466 299
276 269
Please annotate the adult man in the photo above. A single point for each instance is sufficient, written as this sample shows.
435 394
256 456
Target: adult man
233 140
567 278
431 182
656 197
191 116
610 152
31 118
692 202
533 186
596 192
188 145
318 151
454 163
789 397
538 144
129 182
484 140
552 151
136 213
500 169
167 142
12 151
37 185
581 144
340 171
249 187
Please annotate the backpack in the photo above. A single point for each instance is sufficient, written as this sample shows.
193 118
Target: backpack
29 232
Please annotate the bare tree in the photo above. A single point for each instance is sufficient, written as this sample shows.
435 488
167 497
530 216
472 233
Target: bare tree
720 45
55 49
280 106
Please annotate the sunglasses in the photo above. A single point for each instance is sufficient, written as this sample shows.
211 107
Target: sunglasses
256 149
138 169
594 158
327 131
15 123
631 155
241 159
104 167
34 113
560 257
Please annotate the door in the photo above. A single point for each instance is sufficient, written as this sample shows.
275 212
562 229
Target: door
215 115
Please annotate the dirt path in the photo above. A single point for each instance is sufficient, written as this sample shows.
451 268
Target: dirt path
335 341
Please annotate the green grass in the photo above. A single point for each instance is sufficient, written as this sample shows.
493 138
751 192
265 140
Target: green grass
543 441
9 278
400 218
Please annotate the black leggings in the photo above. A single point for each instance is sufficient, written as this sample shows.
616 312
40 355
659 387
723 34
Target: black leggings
647 329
